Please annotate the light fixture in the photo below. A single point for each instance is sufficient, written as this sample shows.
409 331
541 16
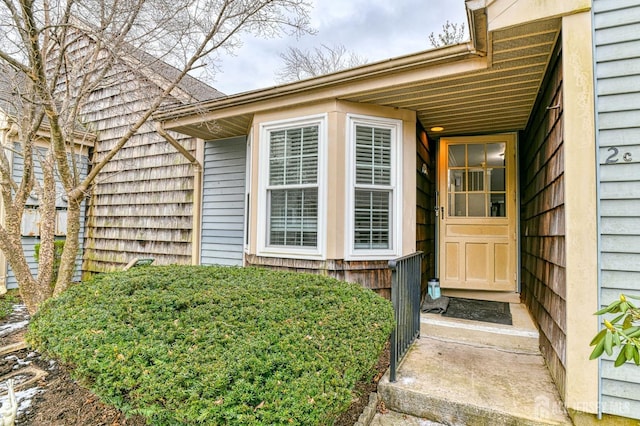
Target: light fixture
437 128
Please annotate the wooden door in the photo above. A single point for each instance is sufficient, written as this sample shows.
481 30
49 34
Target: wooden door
477 237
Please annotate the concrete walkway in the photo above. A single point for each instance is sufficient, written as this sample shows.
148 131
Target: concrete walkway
472 373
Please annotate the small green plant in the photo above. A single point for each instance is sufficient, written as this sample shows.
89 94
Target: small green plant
7 301
620 331
58 247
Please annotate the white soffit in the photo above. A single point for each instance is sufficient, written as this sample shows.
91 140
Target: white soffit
497 99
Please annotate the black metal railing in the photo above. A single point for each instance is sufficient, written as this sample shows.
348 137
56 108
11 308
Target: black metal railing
406 274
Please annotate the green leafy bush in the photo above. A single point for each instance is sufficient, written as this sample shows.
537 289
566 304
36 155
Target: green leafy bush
216 345
620 331
7 301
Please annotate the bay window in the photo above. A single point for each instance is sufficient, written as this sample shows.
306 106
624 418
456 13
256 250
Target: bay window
374 208
292 187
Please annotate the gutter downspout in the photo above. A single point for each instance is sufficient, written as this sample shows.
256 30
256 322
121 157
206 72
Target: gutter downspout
196 231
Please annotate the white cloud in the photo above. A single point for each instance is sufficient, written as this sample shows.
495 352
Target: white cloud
374 29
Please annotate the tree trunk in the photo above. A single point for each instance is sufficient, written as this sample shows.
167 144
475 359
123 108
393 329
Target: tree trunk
31 292
71 247
47 209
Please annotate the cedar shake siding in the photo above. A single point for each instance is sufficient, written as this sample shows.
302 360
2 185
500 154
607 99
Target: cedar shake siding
425 202
543 222
372 274
141 203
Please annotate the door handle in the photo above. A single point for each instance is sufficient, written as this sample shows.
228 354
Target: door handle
442 212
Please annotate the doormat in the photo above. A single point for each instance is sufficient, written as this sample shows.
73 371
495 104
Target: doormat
479 310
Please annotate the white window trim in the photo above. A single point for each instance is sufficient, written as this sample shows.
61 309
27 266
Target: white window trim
263 249
247 194
351 253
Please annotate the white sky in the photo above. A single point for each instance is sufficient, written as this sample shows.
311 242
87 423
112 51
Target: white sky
373 29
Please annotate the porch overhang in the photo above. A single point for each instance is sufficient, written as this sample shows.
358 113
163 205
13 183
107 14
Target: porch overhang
488 85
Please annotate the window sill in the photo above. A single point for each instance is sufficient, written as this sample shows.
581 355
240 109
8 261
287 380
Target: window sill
372 255
291 253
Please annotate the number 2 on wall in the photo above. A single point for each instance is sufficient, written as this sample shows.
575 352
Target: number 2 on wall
613 158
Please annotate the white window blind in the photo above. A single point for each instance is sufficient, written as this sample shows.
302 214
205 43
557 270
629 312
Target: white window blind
373 191
292 192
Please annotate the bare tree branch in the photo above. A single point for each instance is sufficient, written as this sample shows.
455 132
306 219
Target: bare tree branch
452 33
300 64
63 56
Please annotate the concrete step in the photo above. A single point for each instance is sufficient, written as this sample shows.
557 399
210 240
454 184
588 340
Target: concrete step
521 336
458 383
391 418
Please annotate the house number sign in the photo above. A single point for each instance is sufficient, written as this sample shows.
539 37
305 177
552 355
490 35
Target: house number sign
615 156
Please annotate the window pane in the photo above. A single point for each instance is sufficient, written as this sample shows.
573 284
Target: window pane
293 142
293 218
30 226
457 180
495 154
372 219
476 180
277 157
476 174
477 205
309 155
61 223
456 155
293 156
496 177
457 204
309 170
277 145
475 154
373 155
498 205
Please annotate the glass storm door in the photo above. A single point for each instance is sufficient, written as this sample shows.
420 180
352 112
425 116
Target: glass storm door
477 196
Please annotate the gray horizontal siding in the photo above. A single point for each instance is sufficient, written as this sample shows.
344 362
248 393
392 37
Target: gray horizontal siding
620 280
223 202
29 243
617 54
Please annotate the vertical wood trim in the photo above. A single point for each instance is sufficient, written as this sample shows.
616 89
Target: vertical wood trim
580 208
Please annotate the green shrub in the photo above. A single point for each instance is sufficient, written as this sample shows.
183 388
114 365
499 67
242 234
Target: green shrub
7 301
216 345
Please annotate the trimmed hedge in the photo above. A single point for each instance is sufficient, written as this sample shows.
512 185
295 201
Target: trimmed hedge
217 345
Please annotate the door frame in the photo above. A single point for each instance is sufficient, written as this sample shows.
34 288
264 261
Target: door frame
514 191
